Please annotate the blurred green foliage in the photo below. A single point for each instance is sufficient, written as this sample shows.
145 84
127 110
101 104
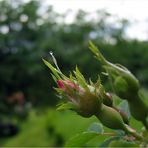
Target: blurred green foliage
54 129
27 35
48 129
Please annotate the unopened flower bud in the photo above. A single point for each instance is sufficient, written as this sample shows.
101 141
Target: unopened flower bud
138 108
85 100
108 101
125 85
89 104
61 84
123 115
110 118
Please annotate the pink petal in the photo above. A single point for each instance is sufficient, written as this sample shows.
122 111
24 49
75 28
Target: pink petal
61 84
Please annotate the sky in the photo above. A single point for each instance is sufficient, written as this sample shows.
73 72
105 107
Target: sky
134 10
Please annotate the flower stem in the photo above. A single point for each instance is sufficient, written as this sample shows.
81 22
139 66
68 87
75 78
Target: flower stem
131 131
109 134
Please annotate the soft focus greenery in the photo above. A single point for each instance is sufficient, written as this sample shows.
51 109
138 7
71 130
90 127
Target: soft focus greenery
27 35
53 129
31 36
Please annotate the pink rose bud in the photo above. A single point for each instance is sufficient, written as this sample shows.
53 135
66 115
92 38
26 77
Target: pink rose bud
61 84
85 100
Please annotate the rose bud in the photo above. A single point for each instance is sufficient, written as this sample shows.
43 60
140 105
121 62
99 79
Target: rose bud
124 81
123 115
81 97
86 99
110 118
87 102
125 85
108 101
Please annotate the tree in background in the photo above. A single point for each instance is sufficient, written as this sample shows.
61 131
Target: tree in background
27 35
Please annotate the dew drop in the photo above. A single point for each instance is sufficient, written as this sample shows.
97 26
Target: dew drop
54 60
51 53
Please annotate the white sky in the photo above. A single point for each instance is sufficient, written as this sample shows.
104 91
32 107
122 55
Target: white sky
124 8
134 10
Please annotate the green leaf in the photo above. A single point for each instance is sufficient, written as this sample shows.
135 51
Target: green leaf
91 83
119 132
98 83
93 48
71 78
65 106
80 78
96 127
59 90
97 53
81 139
122 143
108 140
79 73
54 78
54 70
125 108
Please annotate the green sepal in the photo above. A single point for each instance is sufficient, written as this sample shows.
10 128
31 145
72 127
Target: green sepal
58 74
91 83
72 78
80 78
54 78
59 90
54 70
97 53
117 70
64 106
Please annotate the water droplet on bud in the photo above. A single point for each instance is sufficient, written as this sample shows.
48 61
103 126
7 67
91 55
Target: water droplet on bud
54 60
51 53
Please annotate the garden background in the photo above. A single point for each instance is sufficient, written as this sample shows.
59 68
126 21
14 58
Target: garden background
28 33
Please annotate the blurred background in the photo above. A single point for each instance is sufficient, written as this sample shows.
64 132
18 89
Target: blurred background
30 29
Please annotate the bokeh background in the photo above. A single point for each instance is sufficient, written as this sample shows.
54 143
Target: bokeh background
30 29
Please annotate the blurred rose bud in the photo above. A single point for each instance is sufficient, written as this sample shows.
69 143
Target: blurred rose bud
125 85
124 82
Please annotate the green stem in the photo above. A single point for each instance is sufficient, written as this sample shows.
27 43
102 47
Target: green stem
109 134
131 131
